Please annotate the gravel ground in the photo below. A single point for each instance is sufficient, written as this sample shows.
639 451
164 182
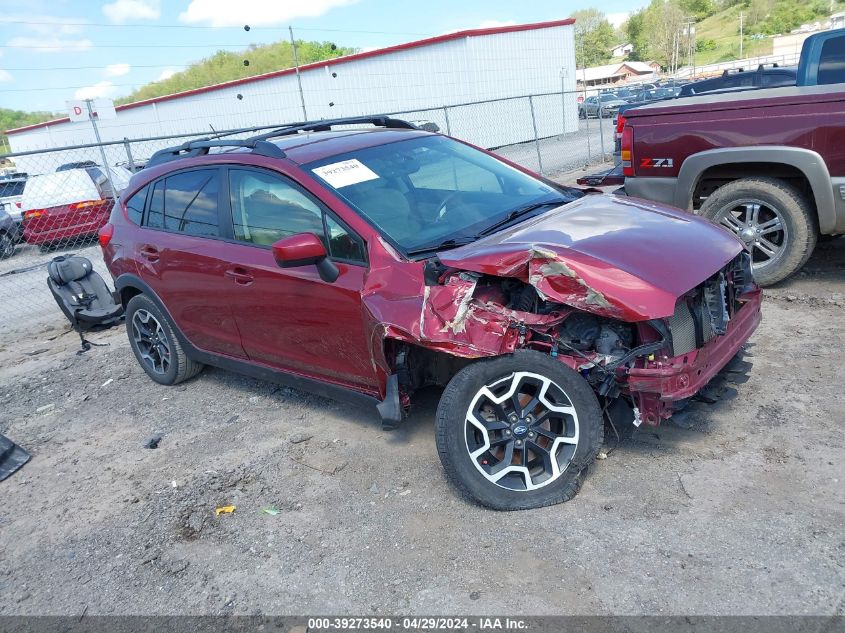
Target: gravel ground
735 509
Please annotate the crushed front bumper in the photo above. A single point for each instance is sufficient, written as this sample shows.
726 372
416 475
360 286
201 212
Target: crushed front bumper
665 381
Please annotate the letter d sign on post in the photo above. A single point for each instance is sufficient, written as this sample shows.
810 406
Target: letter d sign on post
77 110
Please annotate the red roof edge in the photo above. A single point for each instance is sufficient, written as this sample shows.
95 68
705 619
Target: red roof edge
327 62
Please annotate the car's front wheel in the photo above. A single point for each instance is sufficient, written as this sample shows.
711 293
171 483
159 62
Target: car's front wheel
518 431
153 340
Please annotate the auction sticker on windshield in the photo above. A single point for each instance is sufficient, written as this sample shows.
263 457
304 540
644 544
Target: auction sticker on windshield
345 173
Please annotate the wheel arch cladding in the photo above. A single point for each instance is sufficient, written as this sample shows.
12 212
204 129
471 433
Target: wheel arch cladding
808 162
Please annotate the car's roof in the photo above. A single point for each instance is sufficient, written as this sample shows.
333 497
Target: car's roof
306 147
301 148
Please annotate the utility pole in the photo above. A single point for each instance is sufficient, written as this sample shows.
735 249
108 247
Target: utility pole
740 34
298 78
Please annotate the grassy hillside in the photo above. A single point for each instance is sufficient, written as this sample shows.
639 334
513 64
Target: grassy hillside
16 118
718 34
226 66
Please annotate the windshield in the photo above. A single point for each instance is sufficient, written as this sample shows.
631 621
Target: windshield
609 97
429 190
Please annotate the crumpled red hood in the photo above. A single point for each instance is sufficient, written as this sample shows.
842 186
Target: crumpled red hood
619 257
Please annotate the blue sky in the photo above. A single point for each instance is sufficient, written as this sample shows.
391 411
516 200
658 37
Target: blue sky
55 50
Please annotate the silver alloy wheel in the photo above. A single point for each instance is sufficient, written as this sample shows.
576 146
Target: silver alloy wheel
521 431
151 341
760 227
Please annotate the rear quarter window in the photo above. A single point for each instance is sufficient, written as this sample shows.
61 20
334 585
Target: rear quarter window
135 205
832 61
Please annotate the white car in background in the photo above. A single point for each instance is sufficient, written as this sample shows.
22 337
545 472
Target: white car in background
69 205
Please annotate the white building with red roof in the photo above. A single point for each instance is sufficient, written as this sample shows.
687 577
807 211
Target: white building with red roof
440 79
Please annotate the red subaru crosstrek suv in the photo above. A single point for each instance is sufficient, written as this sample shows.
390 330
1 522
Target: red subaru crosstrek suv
369 262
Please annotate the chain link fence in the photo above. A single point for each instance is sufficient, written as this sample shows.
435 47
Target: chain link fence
54 200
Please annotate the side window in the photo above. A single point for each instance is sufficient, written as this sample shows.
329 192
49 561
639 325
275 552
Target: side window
155 214
135 205
190 202
343 244
832 61
266 208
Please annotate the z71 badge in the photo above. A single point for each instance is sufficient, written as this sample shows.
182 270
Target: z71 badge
656 162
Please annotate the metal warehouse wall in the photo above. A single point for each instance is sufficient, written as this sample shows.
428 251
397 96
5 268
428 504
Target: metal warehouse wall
449 73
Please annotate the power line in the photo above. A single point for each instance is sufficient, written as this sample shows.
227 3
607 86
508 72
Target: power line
96 67
202 27
69 87
77 49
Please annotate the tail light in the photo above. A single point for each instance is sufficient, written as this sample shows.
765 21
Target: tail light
620 123
18 205
33 214
627 153
88 204
105 233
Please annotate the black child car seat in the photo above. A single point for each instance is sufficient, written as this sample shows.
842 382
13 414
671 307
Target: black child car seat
82 295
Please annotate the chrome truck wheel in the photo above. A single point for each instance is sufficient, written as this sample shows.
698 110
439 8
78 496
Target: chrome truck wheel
773 219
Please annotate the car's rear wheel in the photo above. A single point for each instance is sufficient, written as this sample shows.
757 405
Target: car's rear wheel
772 218
153 340
518 431
7 246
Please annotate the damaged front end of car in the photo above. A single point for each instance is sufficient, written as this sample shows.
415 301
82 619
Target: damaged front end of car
655 351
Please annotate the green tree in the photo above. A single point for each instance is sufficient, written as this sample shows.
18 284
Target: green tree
634 29
663 23
699 9
594 38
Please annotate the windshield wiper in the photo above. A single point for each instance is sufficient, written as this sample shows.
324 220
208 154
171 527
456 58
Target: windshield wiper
442 246
518 213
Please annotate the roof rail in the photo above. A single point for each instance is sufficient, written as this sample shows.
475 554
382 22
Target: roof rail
326 124
259 144
200 147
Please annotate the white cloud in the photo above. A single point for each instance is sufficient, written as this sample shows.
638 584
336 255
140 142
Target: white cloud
49 45
617 19
117 70
5 76
167 73
122 11
100 89
492 24
255 12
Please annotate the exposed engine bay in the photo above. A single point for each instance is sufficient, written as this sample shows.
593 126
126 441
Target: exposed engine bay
496 315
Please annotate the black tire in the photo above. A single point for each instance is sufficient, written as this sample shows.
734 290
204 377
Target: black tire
798 239
454 433
178 367
7 246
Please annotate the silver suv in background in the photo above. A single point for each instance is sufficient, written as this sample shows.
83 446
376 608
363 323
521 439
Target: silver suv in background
7 235
11 193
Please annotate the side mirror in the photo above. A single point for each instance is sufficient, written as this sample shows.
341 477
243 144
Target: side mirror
304 249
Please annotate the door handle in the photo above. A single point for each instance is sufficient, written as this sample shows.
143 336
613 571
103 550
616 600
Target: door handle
149 253
240 275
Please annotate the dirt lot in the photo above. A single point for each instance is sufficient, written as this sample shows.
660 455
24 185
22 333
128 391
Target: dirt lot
736 509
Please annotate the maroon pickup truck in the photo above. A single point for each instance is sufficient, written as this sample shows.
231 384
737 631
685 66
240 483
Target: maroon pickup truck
767 164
